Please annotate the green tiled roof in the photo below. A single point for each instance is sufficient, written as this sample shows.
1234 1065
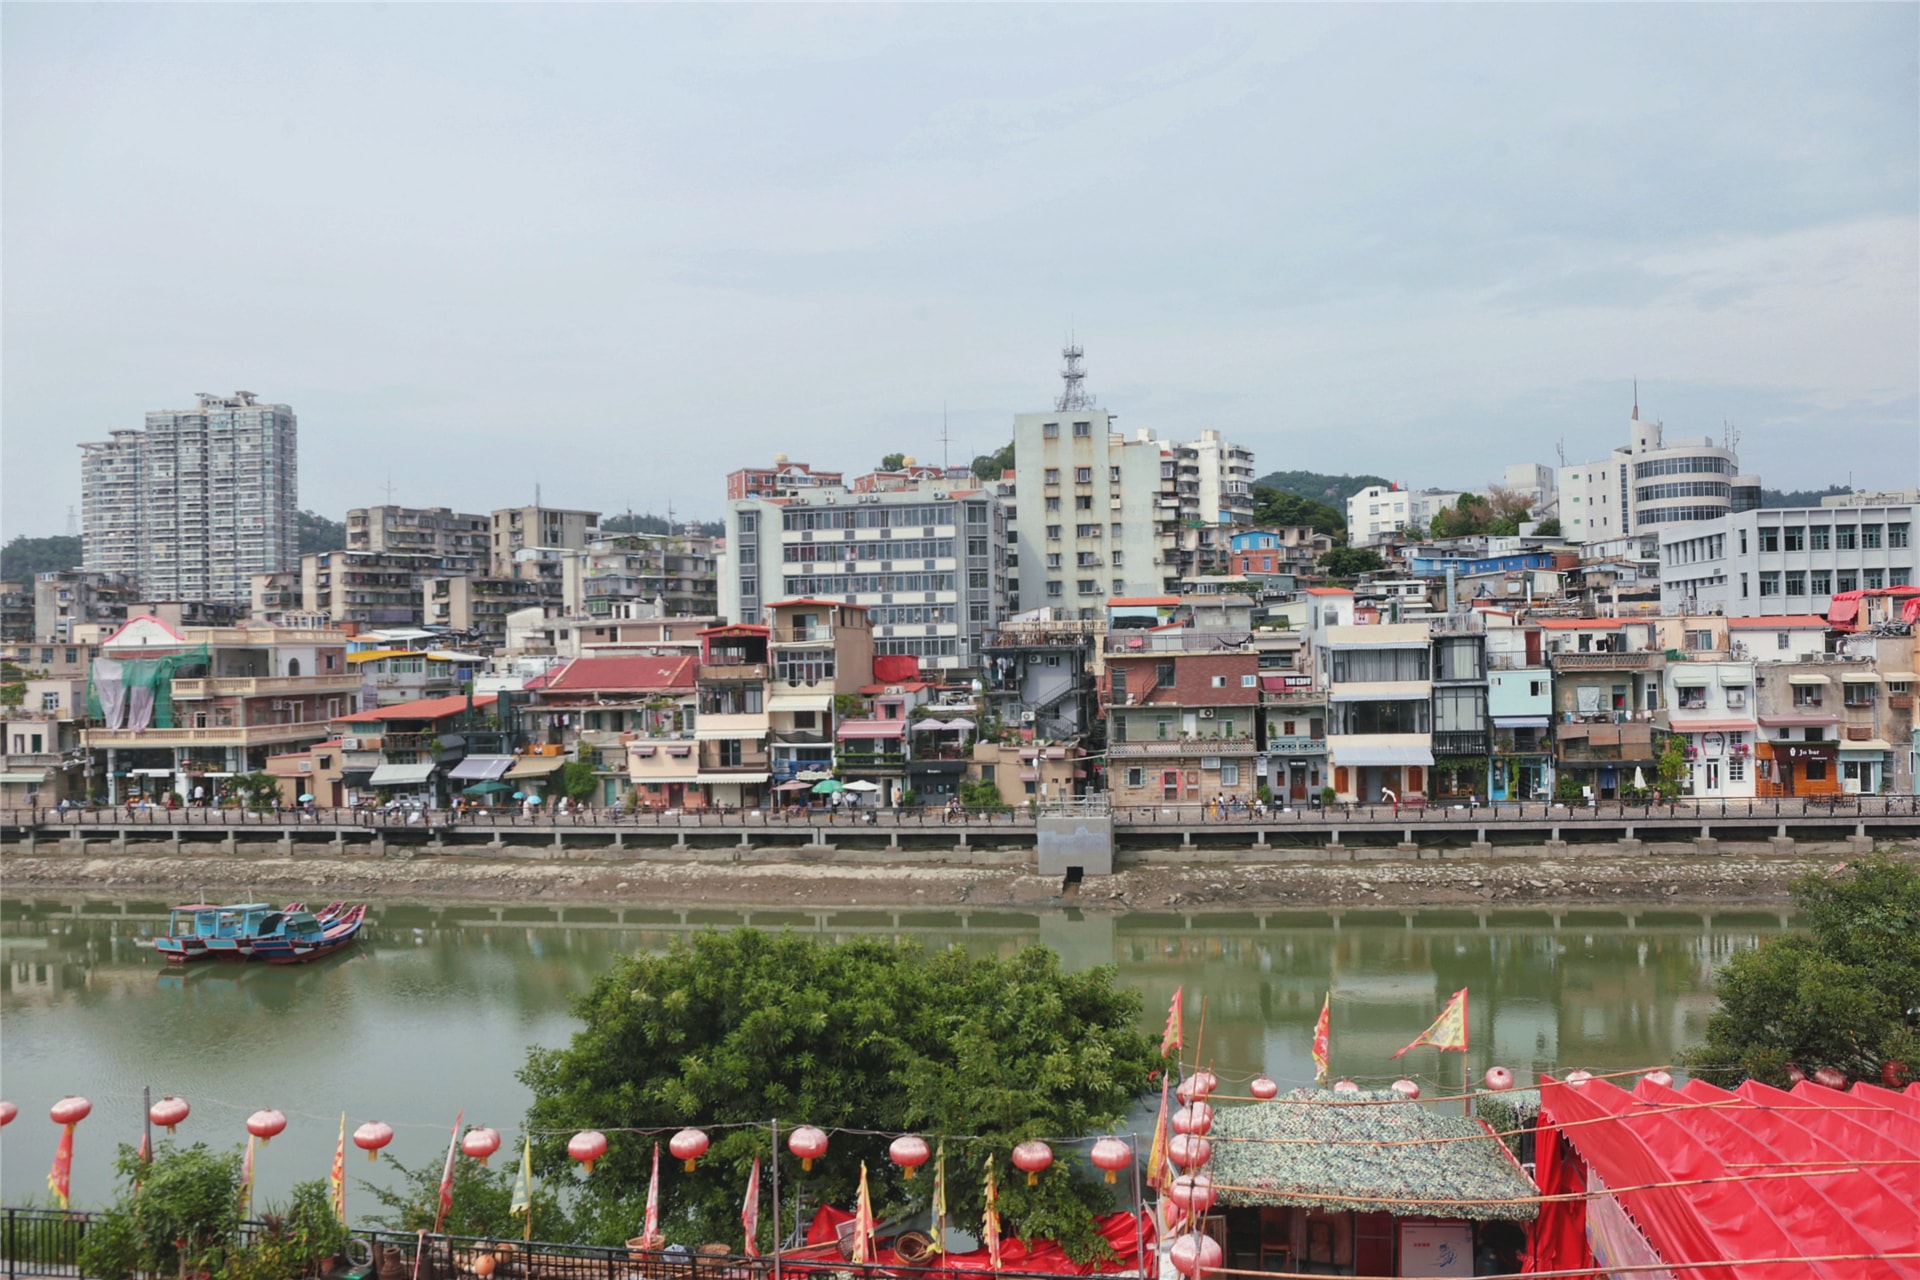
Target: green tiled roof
1329 1159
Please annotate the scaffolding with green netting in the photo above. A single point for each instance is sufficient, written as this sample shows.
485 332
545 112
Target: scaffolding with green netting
137 693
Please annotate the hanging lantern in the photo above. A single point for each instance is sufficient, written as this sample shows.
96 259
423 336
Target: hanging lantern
1662 1078
7 1112
265 1124
1263 1088
1195 1253
1498 1079
587 1146
479 1144
1890 1072
808 1143
1193 1192
1795 1075
1195 1118
1189 1150
1196 1086
1032 1158
168 1112
1405 1088
688 1146
1344 1085
909 1153
1110 1155
372 1136
1831 1077
1576 1078
71 1109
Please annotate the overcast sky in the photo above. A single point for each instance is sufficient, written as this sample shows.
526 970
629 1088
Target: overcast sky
619 251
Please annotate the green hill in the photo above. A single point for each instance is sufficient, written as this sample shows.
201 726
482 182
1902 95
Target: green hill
1332 490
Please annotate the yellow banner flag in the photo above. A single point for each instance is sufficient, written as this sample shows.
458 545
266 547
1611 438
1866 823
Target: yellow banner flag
1449 1030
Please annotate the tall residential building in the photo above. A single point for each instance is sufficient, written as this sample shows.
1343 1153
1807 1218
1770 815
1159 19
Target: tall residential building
1790 560
782 477
518 528
460 540
196 503
1378 512
1652 481
1214 479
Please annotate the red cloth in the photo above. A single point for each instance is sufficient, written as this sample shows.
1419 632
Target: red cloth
1046 1257
1560 1233
895 668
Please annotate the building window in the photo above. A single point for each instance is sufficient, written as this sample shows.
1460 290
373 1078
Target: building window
1847 580
1089 587
1083 475
1873 580
1218 682
749 587
1796 582
1083 503
1770 584
1053 559
1692 698
49 702
1870 537
1806 695
1819 537
1136 777
1781 640
749 522
1229 773
1055 587
1896 537
1858 694
1820 582
1769 539
1249 682
1113 475
1737 769
1844 538
1898 577
1051 475
1699 640
1796 538
1083 429
1053 502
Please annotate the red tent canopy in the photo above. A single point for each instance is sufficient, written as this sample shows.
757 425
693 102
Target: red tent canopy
1044 1257
1768 1174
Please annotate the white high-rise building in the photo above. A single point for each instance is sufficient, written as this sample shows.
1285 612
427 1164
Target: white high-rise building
1214 479
197 503
1651 482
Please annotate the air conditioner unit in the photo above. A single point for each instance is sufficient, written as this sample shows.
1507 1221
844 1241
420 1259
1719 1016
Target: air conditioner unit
349 744
1026 717
1206 713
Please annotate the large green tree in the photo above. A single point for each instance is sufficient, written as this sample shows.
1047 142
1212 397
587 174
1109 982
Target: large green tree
1350 562
1844 992
988 466
1273 508
864 1039
24 557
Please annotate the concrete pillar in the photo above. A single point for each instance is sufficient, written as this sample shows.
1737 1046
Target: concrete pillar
744 842
893 839
175 836
379 845
559 840
1705 844
284 844
620 840
820 836
1186 839
1783 844
231 842
1481 845
120 840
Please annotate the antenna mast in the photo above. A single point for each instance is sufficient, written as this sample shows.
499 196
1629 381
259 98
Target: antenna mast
945 440
1074 394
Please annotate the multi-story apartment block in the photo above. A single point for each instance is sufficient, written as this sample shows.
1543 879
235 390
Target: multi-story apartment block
1287 552
735 764
1462 727
1785 560
16 611
782 479
929 564
819 650
1378 513
679 571
366 588
1380 696
1606 692
68 598
1650 483
478 607
1040 674
196 503
1711 706
1214 480
515 528
461 541
1181 716
1520 704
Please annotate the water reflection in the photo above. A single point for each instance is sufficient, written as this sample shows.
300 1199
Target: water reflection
434 1009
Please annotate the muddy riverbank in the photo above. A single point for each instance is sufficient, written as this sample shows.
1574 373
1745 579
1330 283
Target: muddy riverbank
1588 875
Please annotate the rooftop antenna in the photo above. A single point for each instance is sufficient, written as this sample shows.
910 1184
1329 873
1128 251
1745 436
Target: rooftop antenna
945 440
1636 397
1074 394
1560 447
1729 436
387 488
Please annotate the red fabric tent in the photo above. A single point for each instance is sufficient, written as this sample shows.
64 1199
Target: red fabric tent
1732 1150
1044 1257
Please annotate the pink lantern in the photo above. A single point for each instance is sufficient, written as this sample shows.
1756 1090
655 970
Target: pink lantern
1662 1078
587 1146
808 1143
168 1112
265 1124
1577 1078
1831 1077
1193 1192
909 1153
1196 1086
1032 1158
71 1109
372 1136
688 1146
1498 1079
1263 1088
1195 1253
7 1112
479 1144
1189 1150
1110 1155
1405 1088
1344 1085
1195 1118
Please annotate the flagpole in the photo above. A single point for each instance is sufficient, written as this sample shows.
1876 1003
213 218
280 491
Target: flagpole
146 1118
775 1162
1139 1230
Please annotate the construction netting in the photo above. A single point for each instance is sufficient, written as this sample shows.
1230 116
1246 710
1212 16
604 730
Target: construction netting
137 693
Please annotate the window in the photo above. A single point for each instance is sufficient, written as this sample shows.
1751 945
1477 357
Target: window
1053 559
1083 429
1796 538
1859 694
749 522
1053 533
1770 584
1116 558
1846 580
1229 773
1844 538
1086 531
1083 475
1218 682
1796 582
1379 664
1136 777
1899 686
1737 769
1820 582
1113 475
1870 536
73 655
1781 640
1769 540
49 701
749 586
1163 674
1898 577
1873 580
1819 537
1083 503
1806 695
1053 502
1055 587
1699 640
1816 771
1743 584
1050 431
1052 475
1089 587
1896 537
1249 682
1692 698
1118 530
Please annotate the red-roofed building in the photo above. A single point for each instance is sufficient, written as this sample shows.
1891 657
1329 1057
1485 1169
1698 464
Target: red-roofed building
410 749
592 708
732 768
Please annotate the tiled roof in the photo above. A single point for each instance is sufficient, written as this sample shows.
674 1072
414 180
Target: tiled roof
423 709
589 675
1580 624
1785 622
1328 591
1128 602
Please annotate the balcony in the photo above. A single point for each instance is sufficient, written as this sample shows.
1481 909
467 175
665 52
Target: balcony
1177 640
1606 743
871 760
255 686
803 635
711 761
1163 748
721 672
1296 744
253 735
1643 661
1457 742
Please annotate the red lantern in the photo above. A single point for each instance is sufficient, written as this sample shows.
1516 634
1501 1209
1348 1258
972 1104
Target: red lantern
1197 1086
909 1153
1189 1150
1195 1253
1794 1074
808 1143
1405 1088
1890 1072
70 1110
1577 1078
688 1146
1831 1077
1110 1155
7 1112
1344 1085
168 1112
1263 1088
372 1136
587 1146
1661 1078
1031 1158
479 1144
265 1124
1195 1118
1193 1192
1498 1079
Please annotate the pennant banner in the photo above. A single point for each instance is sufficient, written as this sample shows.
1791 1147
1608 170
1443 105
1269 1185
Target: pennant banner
60 1177
337 1176
1321 1031
940 1198
750 1211
1157 1162
446 1174
1449 1030
990 1220
246 1180
522 1201
1172 1040
650 1229
863 1244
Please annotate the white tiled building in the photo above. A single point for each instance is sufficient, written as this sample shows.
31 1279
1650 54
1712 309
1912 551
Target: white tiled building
1784 561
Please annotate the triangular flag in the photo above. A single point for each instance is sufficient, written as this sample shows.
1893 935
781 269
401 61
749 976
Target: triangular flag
650 1228
1321 1030
337 1176
1157 1161
60 1177
1173 1038
940 1198
1449 1030
863 1244
522 1201
446 1174
990 1219
246 1181
750 1211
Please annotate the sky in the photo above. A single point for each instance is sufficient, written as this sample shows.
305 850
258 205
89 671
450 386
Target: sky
618 251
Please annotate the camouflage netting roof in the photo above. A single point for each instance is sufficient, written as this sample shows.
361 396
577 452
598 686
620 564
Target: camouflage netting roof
1330 1159
1508 1113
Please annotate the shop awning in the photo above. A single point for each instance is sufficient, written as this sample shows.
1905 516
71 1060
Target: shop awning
1859 677
1871 747
1900 677
728 735
1807 677
356 777
1522 722
1799 721
873 729
480 768
1691 678
741 779
29 779
536 766
1712 726
402 775
1416 691
1368 757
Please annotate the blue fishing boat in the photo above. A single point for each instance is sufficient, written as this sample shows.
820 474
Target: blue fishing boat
239 924
302 936
204 930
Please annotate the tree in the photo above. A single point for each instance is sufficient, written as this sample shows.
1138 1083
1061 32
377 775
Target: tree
1843 993
1329 489
1548 528
893 462
862 1038
978 793
1273 508
1350 562
316 533
482 1201
1671 771
1468 515
1508 504
24 557
989 466
578 780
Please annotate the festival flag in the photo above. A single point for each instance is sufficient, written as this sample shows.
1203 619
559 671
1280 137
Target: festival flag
1157 1155
246 1180
1321 1030
990 1220
60 1177
446 1174
863 1243
522 1201
1449 1030
1172 1039
940 1198
750 1210
650 1229
337 1176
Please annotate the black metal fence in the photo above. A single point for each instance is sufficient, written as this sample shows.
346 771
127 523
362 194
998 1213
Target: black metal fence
41 1242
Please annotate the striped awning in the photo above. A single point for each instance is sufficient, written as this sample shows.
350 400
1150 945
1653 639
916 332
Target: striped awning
480 768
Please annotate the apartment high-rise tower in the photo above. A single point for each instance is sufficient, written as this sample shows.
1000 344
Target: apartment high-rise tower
198 502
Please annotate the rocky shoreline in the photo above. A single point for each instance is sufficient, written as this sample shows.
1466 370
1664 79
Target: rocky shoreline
1590 877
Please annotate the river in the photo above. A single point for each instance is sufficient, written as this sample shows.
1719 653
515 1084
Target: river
434 1008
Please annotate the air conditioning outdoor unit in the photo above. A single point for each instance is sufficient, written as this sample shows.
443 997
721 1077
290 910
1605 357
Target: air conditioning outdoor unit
1206 713
349 744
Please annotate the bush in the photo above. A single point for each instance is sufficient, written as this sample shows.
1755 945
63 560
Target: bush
110 1249
1329 797
1567 789
978 793
482 1200
186 1213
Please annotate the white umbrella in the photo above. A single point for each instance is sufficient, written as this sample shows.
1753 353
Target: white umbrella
861 785
930 726
1639 778
962 724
